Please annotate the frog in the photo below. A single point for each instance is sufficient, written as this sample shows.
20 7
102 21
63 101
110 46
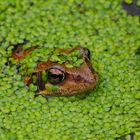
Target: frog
56 71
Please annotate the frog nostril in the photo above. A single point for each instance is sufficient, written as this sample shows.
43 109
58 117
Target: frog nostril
78 78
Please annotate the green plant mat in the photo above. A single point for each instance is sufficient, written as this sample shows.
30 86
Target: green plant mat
111 110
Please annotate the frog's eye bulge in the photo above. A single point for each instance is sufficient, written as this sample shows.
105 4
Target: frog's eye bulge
87 52
55 76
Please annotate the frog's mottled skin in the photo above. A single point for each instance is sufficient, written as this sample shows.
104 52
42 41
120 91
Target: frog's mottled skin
77 79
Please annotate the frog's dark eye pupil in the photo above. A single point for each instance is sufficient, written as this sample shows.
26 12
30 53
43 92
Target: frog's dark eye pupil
55 76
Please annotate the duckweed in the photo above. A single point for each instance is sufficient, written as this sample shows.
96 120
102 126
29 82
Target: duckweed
111 110
51 87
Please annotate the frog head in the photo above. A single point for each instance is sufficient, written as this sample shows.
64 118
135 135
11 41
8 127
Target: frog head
68 77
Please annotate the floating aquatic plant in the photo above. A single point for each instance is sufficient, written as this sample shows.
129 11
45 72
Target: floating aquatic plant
111 110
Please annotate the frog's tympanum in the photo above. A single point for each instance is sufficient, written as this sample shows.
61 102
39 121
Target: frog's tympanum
56 71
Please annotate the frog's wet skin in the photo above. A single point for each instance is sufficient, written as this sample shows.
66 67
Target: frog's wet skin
63 80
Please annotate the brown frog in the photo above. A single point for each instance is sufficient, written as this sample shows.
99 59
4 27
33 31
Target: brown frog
55 77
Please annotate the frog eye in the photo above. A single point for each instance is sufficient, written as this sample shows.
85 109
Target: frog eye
55 76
